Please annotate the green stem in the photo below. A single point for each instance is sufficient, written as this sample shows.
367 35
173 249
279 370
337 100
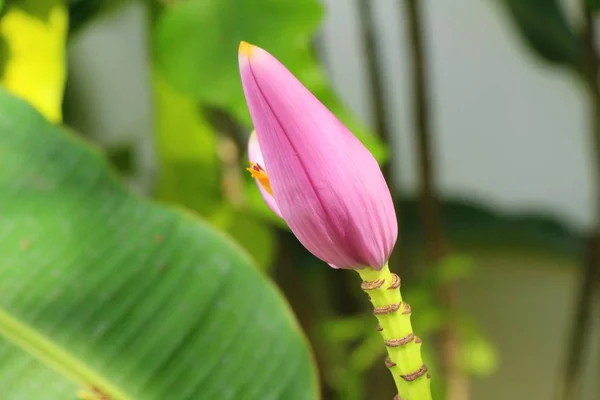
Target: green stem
403 347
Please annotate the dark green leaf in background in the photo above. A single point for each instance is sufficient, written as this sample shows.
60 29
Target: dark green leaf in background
83 11
593 4
475 227
545 28
99 287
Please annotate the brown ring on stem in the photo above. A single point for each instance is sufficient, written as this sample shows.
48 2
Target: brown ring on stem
407 309
400 341
386 309
418 340
389 363
372 285
415 375
395 282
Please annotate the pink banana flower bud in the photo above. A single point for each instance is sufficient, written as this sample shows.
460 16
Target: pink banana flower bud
312 171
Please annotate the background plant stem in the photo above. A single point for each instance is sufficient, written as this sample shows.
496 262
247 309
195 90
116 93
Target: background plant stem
374 73
591 274
448 344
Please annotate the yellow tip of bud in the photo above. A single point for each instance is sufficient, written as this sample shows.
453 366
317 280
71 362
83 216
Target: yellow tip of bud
246 49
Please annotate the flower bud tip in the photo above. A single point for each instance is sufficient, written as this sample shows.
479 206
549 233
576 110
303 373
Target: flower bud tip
245 49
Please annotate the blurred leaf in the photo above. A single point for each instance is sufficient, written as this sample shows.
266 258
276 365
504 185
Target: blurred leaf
453 267
187 151
341 330
367 353
593 4
33 55
428 351
196 42
101 288
83 11
253 235
191 174
428 317
122 158
545 28
480 357
471 226
195 48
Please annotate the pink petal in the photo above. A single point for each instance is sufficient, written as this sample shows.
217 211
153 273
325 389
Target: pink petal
255 156
329 188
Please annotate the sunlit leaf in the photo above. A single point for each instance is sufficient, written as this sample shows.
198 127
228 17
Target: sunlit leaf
33 55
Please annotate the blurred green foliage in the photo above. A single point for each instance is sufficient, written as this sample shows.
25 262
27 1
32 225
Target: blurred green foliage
196 43
195 48
187 147
593 4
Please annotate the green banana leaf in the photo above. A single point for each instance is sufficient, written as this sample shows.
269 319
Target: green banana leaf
103 293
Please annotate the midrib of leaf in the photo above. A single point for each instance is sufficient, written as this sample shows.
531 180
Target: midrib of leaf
55 357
